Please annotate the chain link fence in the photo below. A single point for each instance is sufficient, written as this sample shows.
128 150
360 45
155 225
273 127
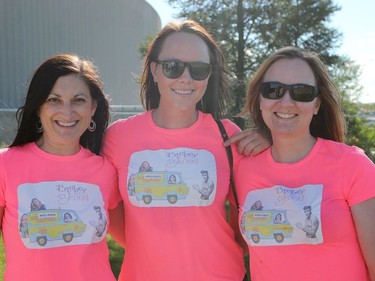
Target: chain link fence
8 122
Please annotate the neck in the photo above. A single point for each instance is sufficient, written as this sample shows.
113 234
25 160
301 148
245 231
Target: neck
286 151
174 120
61 150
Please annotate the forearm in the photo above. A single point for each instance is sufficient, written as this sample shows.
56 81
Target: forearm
117 224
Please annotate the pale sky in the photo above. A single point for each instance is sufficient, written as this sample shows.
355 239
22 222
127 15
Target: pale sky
355 20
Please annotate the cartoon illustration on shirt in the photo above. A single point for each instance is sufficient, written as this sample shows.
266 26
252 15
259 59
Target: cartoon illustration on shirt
278 218
171 177
48 225
68 217
206 187
280 215
101 224
149 186
24 226
266 224
257 205
145 167
60 213
36 205
131 185
311 224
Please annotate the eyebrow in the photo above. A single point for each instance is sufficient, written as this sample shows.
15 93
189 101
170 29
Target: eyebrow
76 95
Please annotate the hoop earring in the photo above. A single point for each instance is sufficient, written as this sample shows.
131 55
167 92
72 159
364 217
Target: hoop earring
39 126
92 126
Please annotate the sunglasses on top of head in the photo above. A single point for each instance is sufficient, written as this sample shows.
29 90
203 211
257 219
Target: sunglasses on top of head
174 68
298 92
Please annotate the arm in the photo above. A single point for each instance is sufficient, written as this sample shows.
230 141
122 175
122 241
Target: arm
363 216
233 221
250 142
117 224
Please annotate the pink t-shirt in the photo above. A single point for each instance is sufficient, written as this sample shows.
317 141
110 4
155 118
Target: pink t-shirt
56 214
174 184
296 217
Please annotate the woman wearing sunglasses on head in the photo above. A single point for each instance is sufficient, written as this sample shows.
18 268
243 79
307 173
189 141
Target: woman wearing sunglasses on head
178 231
56 194
322 188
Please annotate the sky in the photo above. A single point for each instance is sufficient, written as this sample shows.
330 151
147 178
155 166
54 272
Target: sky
355 20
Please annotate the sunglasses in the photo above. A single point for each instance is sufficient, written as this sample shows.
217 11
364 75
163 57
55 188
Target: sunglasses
298 92
173 69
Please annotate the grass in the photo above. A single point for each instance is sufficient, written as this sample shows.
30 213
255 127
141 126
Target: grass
116 255
2 260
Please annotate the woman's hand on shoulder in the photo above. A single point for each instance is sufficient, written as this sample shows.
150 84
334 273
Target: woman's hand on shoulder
249 142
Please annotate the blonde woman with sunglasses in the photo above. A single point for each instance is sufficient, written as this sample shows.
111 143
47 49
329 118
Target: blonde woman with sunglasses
323 189
178 231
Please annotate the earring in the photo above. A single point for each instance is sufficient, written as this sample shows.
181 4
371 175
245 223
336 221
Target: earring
92 126
39 126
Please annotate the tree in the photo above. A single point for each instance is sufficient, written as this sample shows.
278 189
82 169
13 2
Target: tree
250 30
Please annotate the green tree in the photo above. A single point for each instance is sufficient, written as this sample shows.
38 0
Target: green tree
250 30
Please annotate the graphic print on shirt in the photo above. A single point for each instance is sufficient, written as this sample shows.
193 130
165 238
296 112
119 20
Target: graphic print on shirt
280 215
60 213
176 177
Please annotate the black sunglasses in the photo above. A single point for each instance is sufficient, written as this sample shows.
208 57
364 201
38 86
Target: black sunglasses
298 92
174 68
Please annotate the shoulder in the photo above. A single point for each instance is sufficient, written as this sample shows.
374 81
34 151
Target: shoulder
230 127
98 161
120 125
15 151
340 148
129 120
346 153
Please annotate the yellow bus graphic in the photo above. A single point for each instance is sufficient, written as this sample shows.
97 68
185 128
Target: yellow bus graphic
268 224
47 225
166 185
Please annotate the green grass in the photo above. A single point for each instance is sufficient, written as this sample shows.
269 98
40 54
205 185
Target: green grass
2 260
116 255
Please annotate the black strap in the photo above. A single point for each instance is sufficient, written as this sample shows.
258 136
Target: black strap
230 159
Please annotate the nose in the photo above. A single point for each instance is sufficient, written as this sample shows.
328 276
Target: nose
186 74
67 111
286 98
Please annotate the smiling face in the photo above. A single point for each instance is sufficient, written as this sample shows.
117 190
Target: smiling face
183 93
65 115
286 116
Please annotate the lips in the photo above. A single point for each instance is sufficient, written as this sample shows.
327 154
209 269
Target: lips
66 124
183 92
285 115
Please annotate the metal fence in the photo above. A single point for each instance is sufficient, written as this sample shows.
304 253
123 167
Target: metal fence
8 122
